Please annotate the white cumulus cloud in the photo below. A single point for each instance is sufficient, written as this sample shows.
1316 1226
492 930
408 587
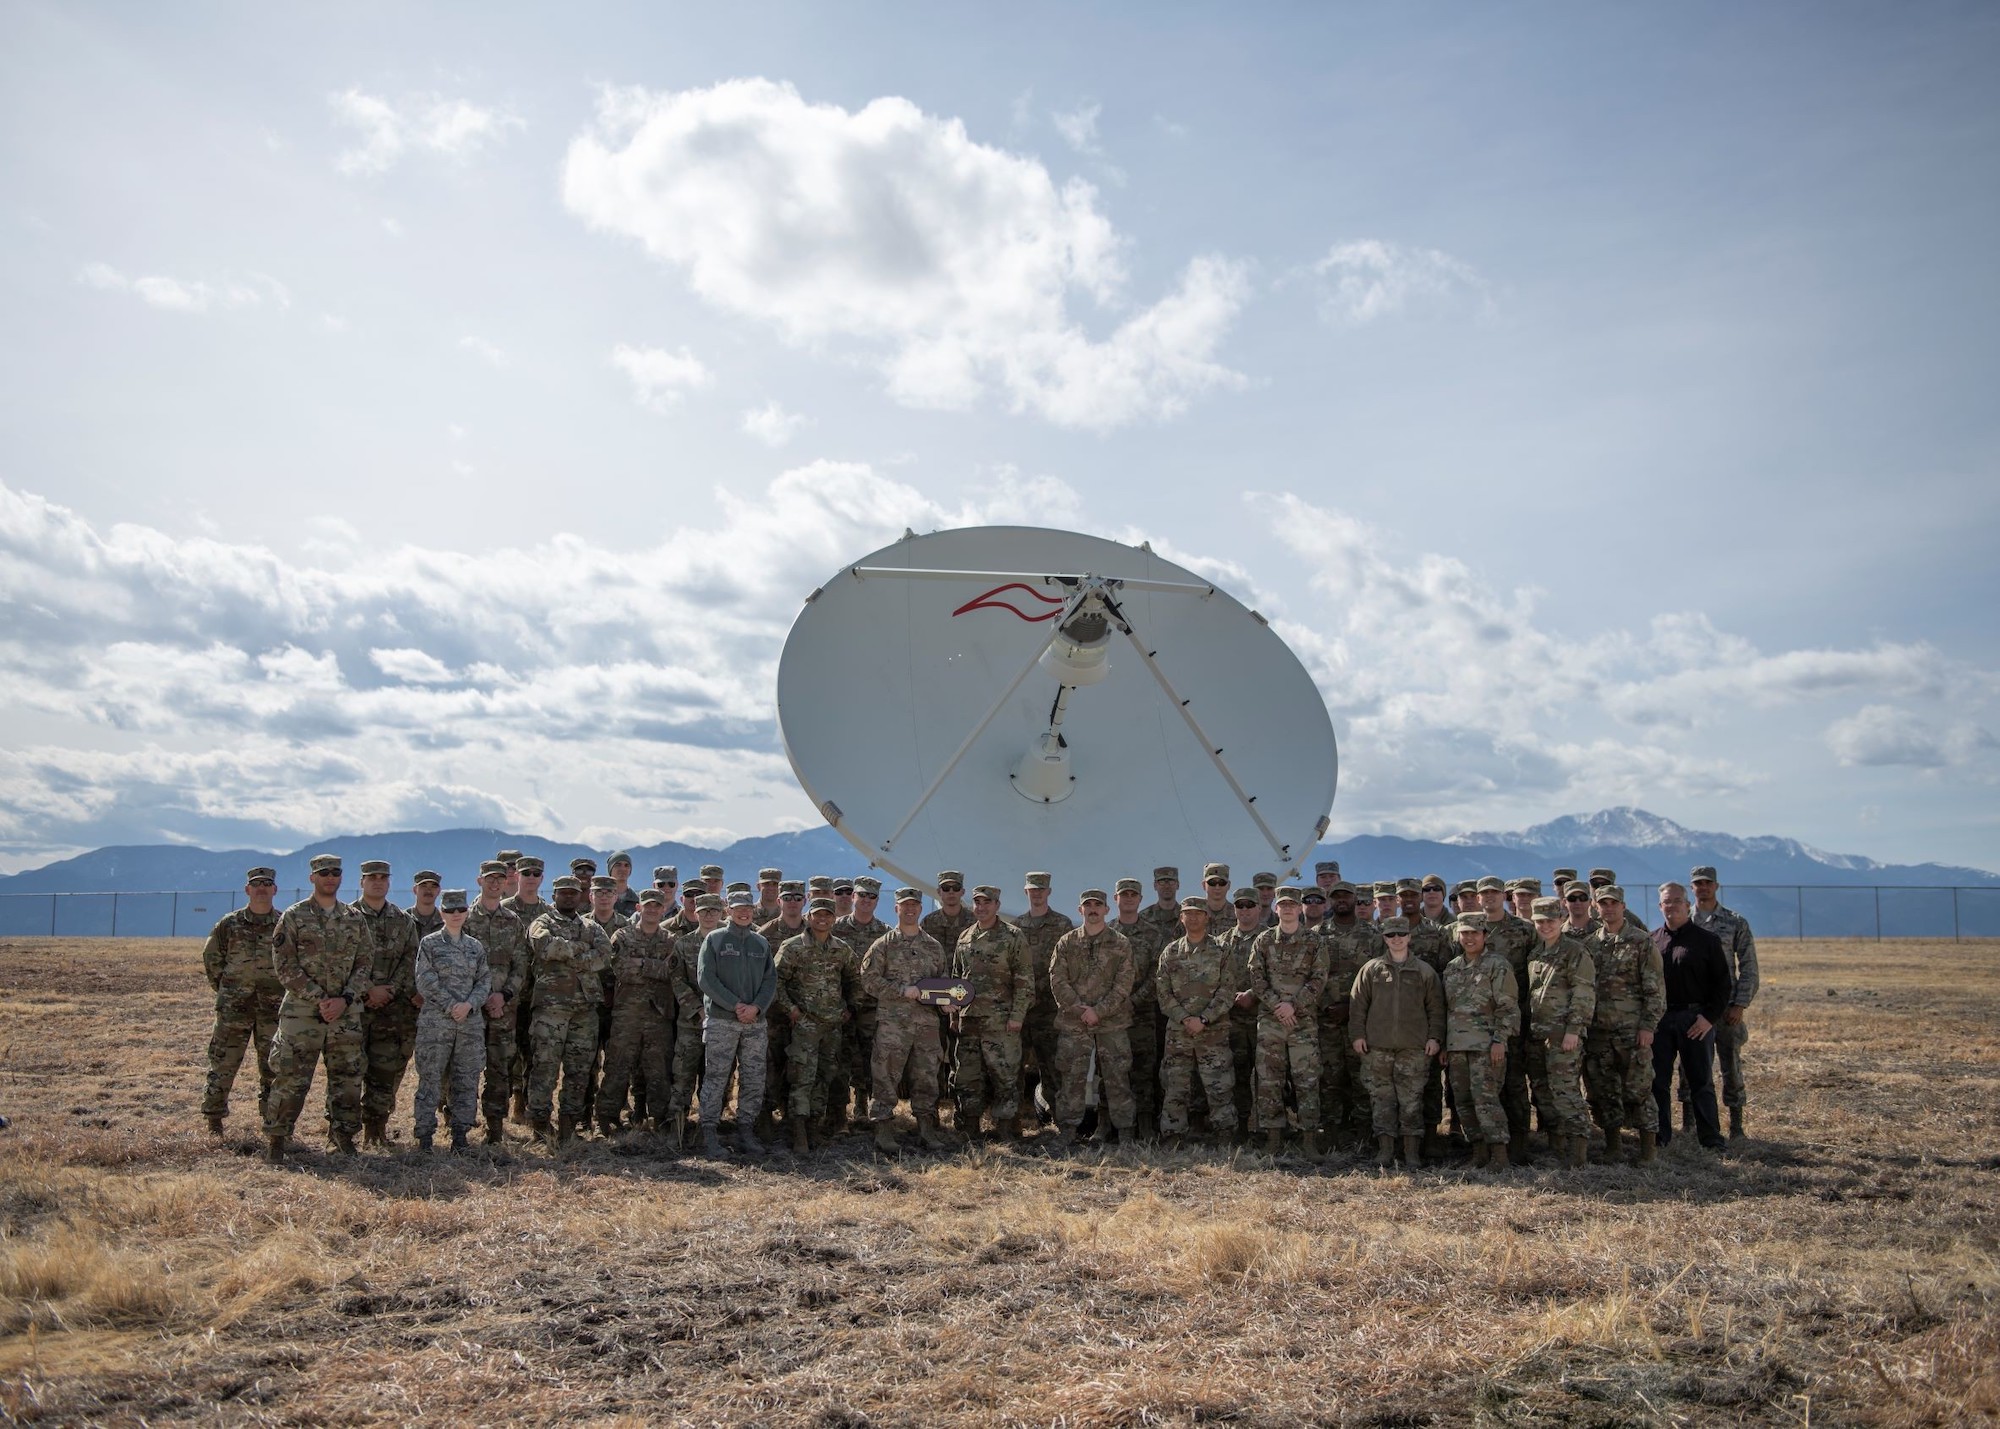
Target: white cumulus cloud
1367 279
385 130
951 263
1886 735
189 295
660 378
772 425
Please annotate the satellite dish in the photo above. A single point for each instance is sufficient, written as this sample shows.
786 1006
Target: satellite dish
1006 698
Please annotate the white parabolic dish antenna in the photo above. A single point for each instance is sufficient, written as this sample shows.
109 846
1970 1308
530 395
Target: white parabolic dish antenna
1005 698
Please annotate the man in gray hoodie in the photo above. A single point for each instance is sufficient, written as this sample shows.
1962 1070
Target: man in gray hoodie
738 978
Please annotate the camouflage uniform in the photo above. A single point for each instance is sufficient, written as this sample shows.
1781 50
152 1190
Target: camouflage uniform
1515 940
688 1050
1482 1007
1344 1096
1562 995
1146 945
642 1023
428 923
505 937
1242 1021
1288 968
1197 980
995 962
318 953
608 990
1739 947
445 972
1094 971
570 954
390 1031
906 1032
1631 998
1038 1037
1431 940
946 927
814 980
237 959
1396 1008
523 1049
778 1039
858 1036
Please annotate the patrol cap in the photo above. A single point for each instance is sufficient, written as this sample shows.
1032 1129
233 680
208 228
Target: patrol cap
1704 874
711 870
818 883
1215 873
1340 885
1329 865
452 900
1548 908
1432 881
1408 885
1465 887
529 864
951 875
1563 874
261 875
770 875
1199 905
1394 927
1037 880
737 887
426 875
603 883
1490 884
1166 873
493 867
617 858
843 885
1603 875
741 898
666 873
1092 895
1529 885
866 887
1287 894
986 890
509 855
820 905
583 865
908 895
708 901
1315 895
792 888
1127 885
1384 886
1264 880
374 866
565 884
325 863
1609 892
1472 922
652 898
1514 885
1240 896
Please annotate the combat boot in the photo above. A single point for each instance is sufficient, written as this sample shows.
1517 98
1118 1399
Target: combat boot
1274 1144
1433 1145
1517 1148
215 1123
608 1129
1013 1131
423 1143
1310 1145
1496 1157
542 1130
458 1141
1385 1151
1413 1153
343 1140
1579 1151
746 1140
930 1134
711 1142
274 1149
1735 1123
565 1129
496 1130
885 1136
373 1131
1614 1145
1480 1152
1649 1146
801 1142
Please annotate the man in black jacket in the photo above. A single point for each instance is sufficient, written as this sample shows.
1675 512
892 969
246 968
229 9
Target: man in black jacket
1698 989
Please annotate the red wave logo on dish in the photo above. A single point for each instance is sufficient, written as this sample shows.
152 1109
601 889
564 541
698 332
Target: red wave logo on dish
1001 598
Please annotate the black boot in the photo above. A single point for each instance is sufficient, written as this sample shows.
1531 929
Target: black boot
1736 1123
458 1142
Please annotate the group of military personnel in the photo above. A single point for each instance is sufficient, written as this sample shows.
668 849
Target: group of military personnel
1334 1015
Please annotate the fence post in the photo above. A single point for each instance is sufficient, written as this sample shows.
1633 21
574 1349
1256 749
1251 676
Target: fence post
1800 889
1878 912
52 915
174 919
114 912
1954 914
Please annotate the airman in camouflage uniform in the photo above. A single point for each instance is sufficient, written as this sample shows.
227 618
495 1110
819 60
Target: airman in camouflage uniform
1345 1101
1197 982
389 1008
1288 974
1513 939
945 923
859 930
423 908
1601 878
1147 940
1244 922
454 978
644 1018
500 931
689 1051
1562 996
570 953
1482 1018
603 904
769 882
1165 912
906 1031
816 974
321 952
527 904
1739 946
1090 978
237 960
1396 1026
1431 940
790 923
738 978
991 955
1618 1056
1042 926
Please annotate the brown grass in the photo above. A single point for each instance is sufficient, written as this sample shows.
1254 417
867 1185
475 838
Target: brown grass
1840 1268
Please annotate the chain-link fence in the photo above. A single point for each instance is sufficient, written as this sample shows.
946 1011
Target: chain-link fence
1783 910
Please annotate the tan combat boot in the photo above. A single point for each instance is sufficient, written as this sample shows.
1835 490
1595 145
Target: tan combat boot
565 1129
1496 1156
801 1142
343 1140
1517 1148
1413 1153
496 1130
1480 1152
1274 1144
544 1133
1311 1145
930 1134
885 1136
215 1124
1385 1151
1649 1148
521 1106
274 1149
374 1131
1614 1145
1014 1131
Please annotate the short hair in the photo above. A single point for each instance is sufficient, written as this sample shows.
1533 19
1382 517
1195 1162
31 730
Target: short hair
1677 889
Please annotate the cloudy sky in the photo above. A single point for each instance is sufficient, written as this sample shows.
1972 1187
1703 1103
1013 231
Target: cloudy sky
417 418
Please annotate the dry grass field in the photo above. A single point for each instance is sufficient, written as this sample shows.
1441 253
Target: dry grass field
1839 1268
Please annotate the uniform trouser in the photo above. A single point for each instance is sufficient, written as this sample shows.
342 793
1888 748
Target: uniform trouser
1343 1095
1113 1046
301 1043
1729 1042
1243 1055
947 1056
1673 1045
1514 1087
813 1054
1475 1086
1146 1061
501 1038
1436 1084
989 1059
592 1074
688 1055
391 1036
1208 1057
640 1052
727 1045
448 1054
1039 1040
1618 1080
1394 1078
1553 1076
564 1038
520 1054
777 1064
1281 1049
906 1042
244 1017
860 1047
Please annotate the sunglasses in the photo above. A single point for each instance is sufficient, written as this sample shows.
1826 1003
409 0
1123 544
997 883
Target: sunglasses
1578 899
1216 882
951 888
1395 935
791 898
